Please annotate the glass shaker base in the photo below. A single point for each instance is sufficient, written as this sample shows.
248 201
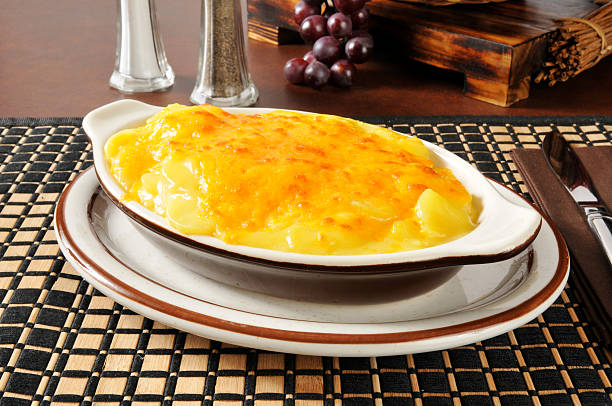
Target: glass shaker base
129 84
247 97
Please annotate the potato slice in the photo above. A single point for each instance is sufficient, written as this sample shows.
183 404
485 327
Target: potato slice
183 213
441 218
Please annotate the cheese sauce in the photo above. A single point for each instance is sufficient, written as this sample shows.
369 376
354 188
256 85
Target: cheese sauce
314 184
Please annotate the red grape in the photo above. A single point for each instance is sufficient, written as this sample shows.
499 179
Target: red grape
360 17
329 26
367 38
327 49
309 57
358 49
294 70
339 25
348 6
303 10
313 27
342 73
316 75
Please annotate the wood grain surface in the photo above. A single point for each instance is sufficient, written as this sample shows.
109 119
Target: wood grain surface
498 47
56 61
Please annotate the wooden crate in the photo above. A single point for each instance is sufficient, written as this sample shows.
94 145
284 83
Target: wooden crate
497 46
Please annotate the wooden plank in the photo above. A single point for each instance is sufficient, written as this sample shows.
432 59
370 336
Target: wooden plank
509 22
527 58
471 21
498 93
271 33
444 49
277 13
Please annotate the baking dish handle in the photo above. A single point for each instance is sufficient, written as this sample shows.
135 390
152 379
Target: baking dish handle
507 227
101 123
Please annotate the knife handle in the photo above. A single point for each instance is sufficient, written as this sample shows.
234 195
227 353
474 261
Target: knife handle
600 222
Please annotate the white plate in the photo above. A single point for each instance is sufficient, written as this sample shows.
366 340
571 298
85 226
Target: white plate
480 302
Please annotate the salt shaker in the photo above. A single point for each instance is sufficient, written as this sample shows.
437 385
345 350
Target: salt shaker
223 74
140 60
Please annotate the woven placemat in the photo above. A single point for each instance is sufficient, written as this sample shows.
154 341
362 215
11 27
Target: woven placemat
63 342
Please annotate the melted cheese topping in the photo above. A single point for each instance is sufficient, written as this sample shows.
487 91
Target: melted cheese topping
314 184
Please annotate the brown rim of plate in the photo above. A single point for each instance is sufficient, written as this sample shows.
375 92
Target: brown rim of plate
98 192
130 293
302 267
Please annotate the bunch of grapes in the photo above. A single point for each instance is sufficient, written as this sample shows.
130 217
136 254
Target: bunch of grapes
337 30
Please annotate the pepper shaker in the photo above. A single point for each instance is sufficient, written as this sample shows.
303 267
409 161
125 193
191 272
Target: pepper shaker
223 73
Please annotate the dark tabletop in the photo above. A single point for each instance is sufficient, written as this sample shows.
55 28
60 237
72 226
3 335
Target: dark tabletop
56 58
62 341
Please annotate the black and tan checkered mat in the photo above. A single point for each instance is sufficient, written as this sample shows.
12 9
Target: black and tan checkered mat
63 342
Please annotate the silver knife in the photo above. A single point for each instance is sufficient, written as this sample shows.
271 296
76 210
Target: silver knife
568 168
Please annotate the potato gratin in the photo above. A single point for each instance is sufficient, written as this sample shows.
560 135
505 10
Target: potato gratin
313 184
